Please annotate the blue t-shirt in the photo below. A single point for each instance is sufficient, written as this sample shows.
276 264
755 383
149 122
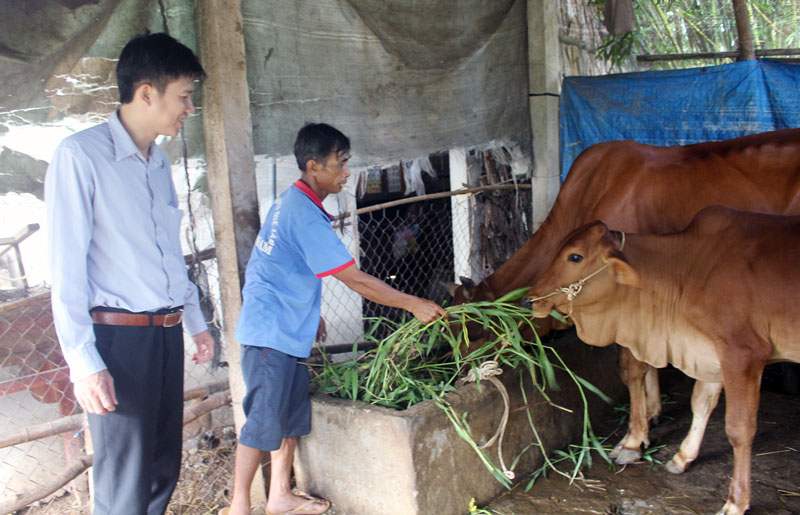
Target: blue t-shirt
295 248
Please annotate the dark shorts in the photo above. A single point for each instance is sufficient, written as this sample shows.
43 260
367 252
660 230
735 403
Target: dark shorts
277 404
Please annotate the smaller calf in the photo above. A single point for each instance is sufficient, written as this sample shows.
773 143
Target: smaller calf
719 301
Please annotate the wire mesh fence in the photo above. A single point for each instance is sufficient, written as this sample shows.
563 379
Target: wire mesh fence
35 391
421 245
34 388
416 244
410 248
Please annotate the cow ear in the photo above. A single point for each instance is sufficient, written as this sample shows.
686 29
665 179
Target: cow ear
467 282
451 288
623 272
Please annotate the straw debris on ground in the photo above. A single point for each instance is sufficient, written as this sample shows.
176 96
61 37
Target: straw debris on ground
205 485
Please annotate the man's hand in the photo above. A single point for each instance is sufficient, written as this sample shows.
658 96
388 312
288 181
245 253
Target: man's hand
426 311
322 331
205 347
378 291
96 393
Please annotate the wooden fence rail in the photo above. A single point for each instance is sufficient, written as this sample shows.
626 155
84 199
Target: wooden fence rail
218 396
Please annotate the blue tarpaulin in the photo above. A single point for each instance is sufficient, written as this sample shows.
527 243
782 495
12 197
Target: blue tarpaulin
678 107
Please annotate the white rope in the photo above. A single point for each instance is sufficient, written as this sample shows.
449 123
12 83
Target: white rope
489 370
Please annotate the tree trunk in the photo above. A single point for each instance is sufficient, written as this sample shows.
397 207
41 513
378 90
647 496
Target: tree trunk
746 50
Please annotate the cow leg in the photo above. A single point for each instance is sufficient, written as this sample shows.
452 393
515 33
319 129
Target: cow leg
652 392
704 399
742 382
633 372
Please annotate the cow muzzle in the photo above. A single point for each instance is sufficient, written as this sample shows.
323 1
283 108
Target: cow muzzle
571 291
539 308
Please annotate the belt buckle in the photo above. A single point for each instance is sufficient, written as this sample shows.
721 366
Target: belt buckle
178 317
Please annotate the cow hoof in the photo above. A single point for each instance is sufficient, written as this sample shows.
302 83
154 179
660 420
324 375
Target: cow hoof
731 509
628 456
674 468
615 452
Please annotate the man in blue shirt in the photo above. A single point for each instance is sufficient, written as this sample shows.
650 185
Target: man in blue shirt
280 316
120 291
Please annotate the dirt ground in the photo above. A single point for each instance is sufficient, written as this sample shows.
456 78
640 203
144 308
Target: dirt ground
648 488
204 487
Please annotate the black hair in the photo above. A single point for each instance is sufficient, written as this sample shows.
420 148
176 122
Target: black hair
155 59
318 141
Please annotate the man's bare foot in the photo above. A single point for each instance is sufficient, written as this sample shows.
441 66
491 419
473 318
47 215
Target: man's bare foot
297 505
237 508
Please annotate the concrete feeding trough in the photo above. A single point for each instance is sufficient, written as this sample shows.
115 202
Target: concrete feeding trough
372 460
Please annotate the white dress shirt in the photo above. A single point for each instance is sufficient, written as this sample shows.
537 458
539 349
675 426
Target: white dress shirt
113 235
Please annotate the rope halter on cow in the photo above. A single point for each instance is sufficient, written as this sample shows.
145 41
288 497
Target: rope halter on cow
575 288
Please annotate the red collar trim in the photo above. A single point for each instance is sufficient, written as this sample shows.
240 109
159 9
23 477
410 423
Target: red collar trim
300 185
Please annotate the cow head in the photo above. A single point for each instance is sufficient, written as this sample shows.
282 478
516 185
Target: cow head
464 292
585 270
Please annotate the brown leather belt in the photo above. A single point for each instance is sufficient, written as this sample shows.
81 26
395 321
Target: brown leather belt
137 319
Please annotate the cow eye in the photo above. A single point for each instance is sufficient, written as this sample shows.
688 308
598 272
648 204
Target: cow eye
575 258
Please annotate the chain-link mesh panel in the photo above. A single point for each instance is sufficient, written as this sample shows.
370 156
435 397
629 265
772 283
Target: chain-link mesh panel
412 244
410 248
34 388
198 242
205 275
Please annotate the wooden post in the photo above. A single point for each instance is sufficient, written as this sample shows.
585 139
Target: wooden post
231 172
746 50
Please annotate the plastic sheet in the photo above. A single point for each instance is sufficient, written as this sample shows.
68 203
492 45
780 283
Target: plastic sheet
678 107
401 78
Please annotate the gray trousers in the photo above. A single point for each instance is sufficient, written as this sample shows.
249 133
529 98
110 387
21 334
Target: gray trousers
137 448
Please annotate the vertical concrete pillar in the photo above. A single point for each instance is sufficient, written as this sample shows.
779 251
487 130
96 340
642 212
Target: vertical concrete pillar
544 79
231 172
460 214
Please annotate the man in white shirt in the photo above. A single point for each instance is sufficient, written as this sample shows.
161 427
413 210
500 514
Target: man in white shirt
120 291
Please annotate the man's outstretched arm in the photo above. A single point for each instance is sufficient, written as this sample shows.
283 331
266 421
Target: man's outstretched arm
378 291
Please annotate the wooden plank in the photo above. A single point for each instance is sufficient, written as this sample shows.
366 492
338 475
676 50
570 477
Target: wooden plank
231 173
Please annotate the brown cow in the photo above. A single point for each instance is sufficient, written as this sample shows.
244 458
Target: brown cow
718 300
646 189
